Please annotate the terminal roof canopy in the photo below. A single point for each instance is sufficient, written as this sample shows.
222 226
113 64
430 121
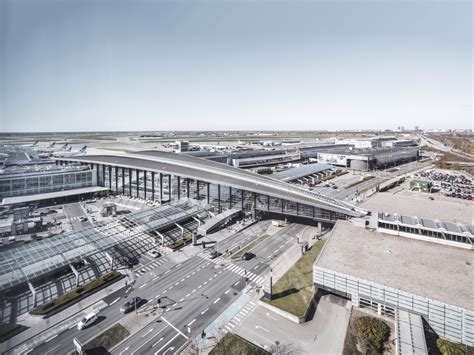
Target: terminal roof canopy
217 173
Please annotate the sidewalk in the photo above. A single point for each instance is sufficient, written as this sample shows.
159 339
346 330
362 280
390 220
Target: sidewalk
42 329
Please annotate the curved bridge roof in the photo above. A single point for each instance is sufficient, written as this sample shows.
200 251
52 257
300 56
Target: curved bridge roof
217 173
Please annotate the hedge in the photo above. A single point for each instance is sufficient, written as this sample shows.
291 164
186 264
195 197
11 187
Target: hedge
373 332
447 347
73 295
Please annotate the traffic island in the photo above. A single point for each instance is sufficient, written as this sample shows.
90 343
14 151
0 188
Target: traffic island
249 246
293 295
76 295
105 341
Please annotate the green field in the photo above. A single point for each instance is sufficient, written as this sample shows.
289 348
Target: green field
294 291
235 345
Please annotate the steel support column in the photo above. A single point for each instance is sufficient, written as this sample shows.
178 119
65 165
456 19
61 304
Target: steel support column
187 188
242 199
123 181
197 190
153 185
145 175
137 177
103 175
116 179
130 182
161 187
268 202
218 198
179 188
169 187
230 197
110 177
97 173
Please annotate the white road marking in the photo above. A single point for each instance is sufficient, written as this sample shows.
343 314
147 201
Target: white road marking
217 300
142 286
48 352
169 288
172 326
236 283
188 295
199 287
133 352
128 289
205 311
191 322
193 291
157 342
205 283
48 340
73 326
181 300
259 327
176 284
114 301
269 315
165 291
148 332
226 292
167 271
193 272
182 280
188 276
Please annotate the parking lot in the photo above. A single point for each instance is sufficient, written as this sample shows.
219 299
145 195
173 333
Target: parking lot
449 184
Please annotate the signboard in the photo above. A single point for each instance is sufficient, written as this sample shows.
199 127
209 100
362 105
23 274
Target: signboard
335 159
78 346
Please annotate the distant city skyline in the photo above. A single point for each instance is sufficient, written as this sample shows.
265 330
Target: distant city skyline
262 65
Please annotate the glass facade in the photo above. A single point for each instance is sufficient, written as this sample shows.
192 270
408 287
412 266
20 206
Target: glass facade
43 182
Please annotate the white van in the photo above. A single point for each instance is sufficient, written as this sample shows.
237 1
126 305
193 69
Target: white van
87 321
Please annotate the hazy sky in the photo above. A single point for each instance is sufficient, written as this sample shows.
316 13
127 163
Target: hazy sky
71 65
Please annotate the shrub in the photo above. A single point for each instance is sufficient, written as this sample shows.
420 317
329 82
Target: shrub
373 333
449 348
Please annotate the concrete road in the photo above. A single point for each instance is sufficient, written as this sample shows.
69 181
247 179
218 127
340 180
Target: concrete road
186 289
324 334
74 213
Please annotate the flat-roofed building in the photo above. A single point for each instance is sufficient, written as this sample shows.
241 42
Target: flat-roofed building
384 273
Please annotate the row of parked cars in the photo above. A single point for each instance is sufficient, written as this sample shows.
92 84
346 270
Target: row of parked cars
451 185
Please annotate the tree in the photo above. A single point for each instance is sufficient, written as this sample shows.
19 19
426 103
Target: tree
373 333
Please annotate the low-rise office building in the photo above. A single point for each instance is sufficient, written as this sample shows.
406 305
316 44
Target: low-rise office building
384 273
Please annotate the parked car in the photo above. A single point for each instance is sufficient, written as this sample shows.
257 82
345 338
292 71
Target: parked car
213 254
248 256
130 261
83 219
131 304
89 319
154 253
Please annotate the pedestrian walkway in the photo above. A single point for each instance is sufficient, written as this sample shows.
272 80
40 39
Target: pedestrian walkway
244 273
150 266
245 311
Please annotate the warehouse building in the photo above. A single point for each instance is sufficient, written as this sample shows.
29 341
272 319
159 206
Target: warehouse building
385 273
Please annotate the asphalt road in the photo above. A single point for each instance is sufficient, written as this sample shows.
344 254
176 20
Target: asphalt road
193 292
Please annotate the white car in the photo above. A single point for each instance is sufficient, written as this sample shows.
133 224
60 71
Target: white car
87 321
154 253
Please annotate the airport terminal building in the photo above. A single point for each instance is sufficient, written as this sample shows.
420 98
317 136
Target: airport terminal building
165 177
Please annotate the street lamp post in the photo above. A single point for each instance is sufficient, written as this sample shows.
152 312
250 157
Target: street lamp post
154 276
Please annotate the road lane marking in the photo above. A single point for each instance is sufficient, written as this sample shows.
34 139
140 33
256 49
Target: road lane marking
199 287
134 351
193 272
181 300
182 279
269 315
164 346
226 292
142 286
188 276
205 311
114 301
187 295
148 332
172 326
49 351
169 288
165 291
256 267
236 283
191 322
167 271
217 300
157 342
259 327
128 289
48 340
205 283
177 283
193 291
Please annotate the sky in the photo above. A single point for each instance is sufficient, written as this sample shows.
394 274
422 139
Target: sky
93 65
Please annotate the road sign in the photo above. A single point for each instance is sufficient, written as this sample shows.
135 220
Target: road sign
78 346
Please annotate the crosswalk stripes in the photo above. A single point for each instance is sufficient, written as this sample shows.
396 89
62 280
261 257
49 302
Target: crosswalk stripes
241 272
150 266
237 319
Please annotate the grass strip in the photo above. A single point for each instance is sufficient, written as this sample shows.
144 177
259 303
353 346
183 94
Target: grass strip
293 293
249 246
234 344
105 341
71 296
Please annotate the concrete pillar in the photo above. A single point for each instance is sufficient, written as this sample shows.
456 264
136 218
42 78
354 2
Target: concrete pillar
218 198
145 175
230 197
162 237
197 190
103 175
110 177
268 202
242 199
130 182
187 188
207 193
33 292
116 178
169 188
76 274
123 181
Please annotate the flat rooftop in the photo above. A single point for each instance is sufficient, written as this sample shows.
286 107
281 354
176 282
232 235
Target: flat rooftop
421 206
431 270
